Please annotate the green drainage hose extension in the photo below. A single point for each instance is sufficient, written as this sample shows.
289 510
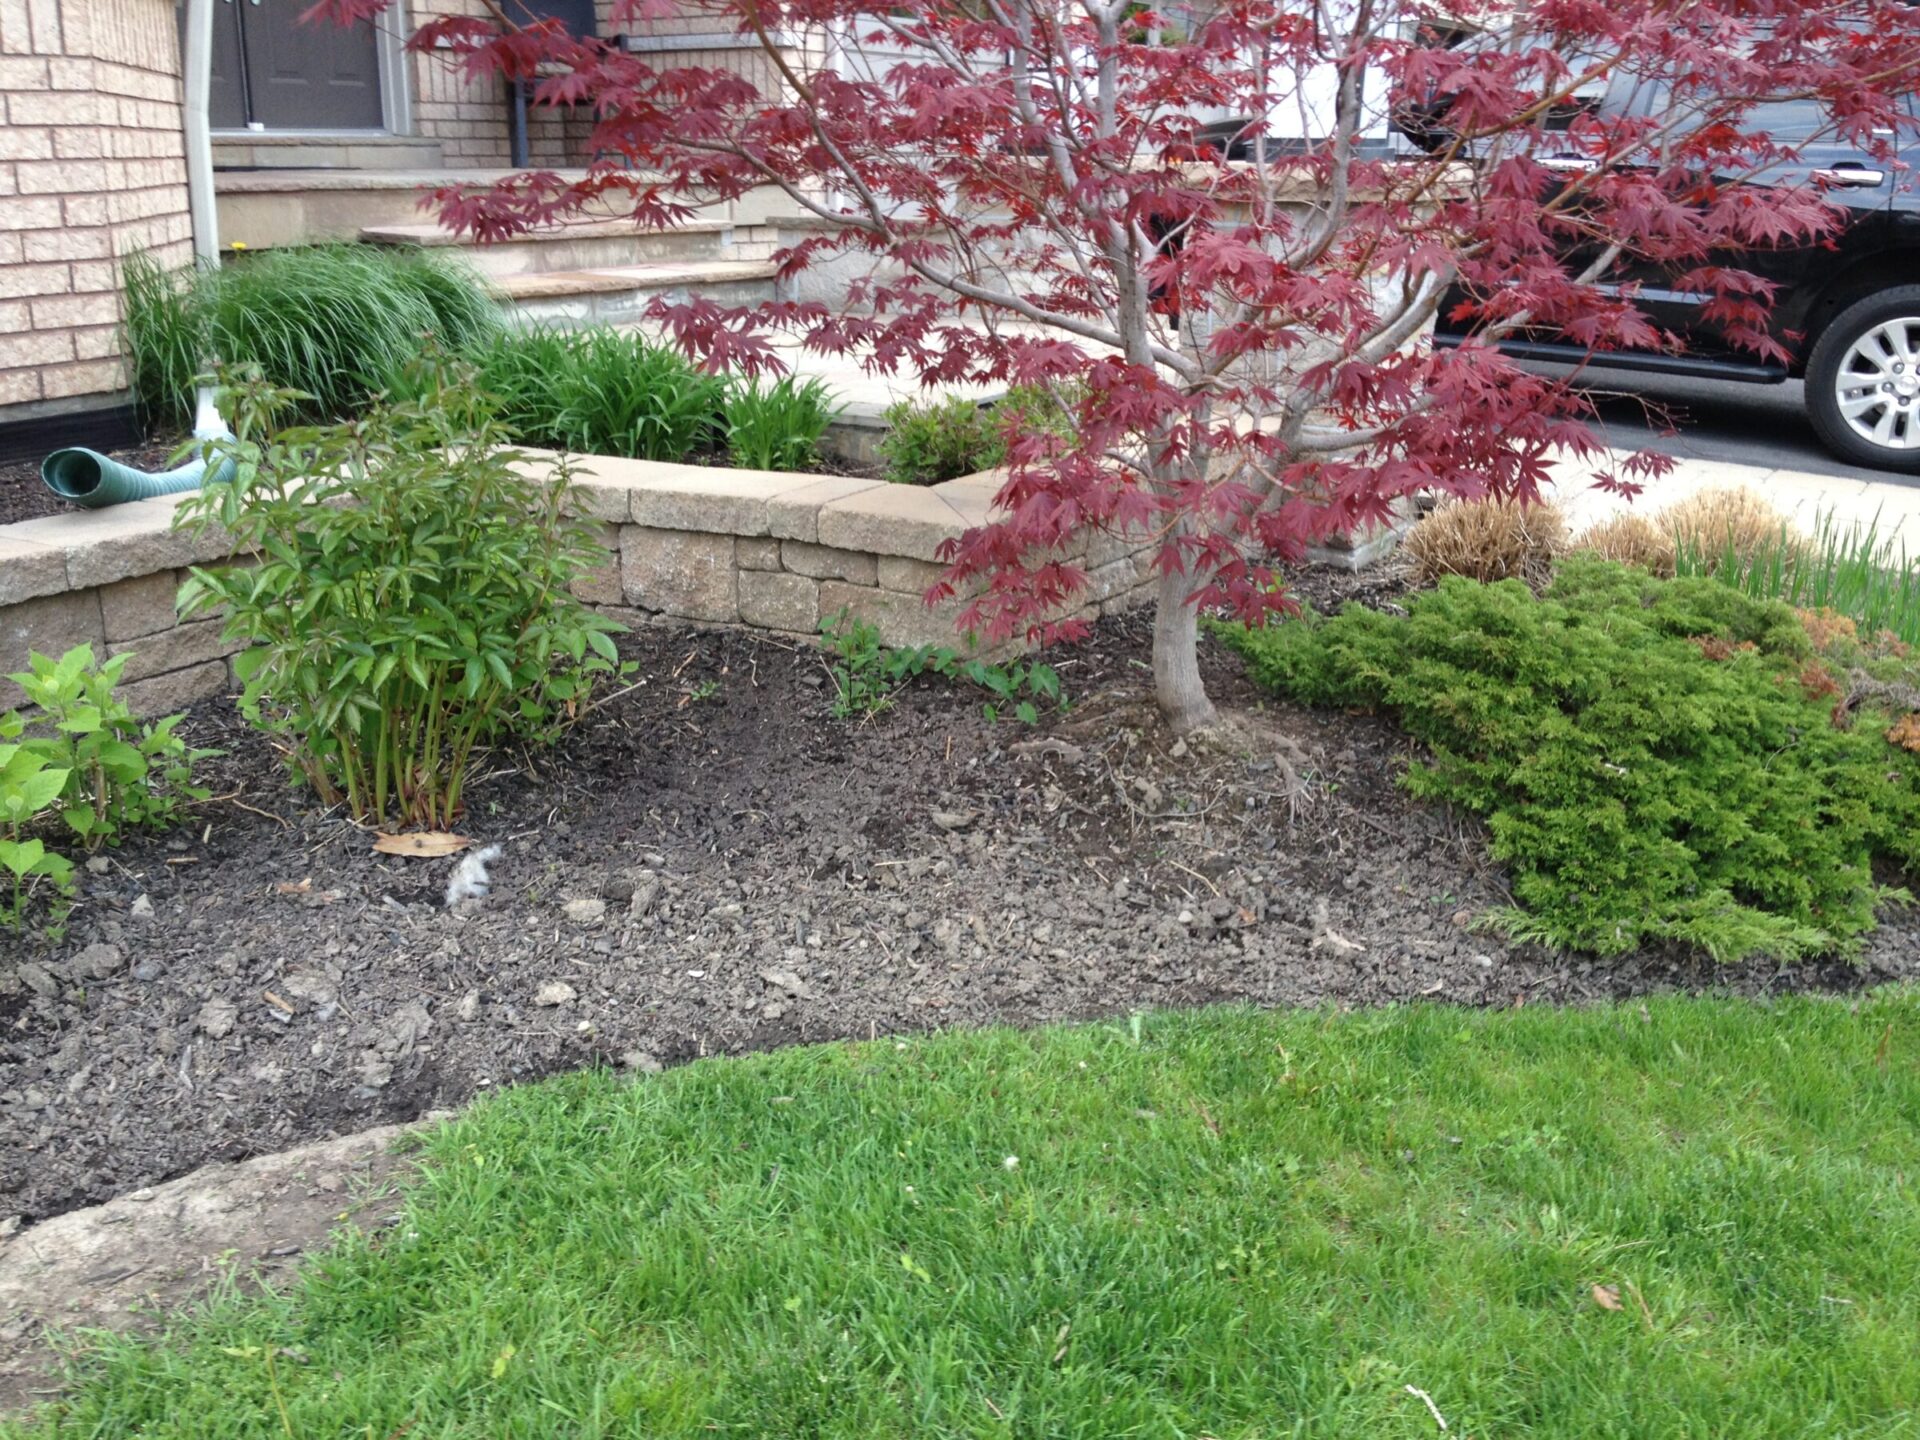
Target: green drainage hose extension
90 479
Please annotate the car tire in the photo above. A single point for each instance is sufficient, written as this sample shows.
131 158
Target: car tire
1850 366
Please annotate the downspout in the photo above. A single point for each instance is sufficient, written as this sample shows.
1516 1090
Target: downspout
90 479
197 73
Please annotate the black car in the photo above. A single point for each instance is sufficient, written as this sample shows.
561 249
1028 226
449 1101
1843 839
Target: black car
1847 311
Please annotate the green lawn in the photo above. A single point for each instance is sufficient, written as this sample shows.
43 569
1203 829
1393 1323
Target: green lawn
1221 1224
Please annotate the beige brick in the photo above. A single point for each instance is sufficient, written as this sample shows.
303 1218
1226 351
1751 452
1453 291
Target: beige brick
102 308
83 210
908 577
755 553
50 107
43 16
30 281
18 386
683 572
140 606
61 177
124 542
177 689
97 277
823 562
601 585
47 347
79 142
65 73
776 601
52 625
84 377
901 619
15 317
26 72
175 649
41 213
100 343
28 571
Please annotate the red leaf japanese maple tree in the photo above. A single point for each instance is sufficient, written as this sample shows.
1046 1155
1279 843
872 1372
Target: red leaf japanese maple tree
1191 224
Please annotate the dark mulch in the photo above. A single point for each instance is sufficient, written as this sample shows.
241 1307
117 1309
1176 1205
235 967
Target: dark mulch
769 875
25 496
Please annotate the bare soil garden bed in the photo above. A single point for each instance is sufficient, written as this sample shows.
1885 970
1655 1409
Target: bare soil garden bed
713 863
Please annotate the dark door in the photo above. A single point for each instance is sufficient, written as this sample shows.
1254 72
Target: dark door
273 73
227 95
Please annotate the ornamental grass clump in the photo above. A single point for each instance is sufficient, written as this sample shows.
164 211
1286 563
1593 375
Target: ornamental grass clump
1487 540
337 323
1656 760
411 599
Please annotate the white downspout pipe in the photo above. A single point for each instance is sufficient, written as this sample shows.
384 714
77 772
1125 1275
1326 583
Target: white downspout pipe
196 63
197 74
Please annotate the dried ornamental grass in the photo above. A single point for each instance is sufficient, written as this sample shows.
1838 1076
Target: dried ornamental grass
1488 540
1630 539
1727 525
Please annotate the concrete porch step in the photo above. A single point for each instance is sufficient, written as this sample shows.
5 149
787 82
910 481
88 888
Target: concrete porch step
268 150
263 208
583 245
621 294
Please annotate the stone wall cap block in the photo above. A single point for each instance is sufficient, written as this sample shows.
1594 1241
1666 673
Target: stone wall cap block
796 514
909 520
29 568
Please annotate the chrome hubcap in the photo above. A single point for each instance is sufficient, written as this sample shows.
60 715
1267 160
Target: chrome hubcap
1878 386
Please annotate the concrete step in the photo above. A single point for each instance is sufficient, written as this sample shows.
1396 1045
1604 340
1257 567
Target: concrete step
620 294
263 208
266 150
585 245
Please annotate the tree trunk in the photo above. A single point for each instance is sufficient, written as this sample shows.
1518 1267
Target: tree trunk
1176 656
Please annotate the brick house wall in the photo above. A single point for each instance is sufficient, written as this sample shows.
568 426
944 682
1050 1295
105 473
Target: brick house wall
92 170
469 119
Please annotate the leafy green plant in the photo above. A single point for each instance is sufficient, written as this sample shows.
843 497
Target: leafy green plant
931 441
81 758
928 442
411 599
122 772
1852 570
337 323
30 788
1657 760
867 674
600 392
779 425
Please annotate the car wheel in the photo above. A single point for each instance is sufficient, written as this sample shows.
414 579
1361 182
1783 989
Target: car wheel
1863 381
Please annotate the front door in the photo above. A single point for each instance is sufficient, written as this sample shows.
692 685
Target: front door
270 72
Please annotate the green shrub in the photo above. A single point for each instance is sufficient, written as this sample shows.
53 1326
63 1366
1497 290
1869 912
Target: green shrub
1657 760
777 426
411 599
928 441
84 761
600 392
337 323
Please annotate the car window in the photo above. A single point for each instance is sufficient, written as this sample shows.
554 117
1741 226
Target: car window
1788 122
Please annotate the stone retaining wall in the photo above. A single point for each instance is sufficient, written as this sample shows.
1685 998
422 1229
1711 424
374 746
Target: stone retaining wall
770 551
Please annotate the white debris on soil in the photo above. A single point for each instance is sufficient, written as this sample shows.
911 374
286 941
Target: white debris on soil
555 992
469 880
